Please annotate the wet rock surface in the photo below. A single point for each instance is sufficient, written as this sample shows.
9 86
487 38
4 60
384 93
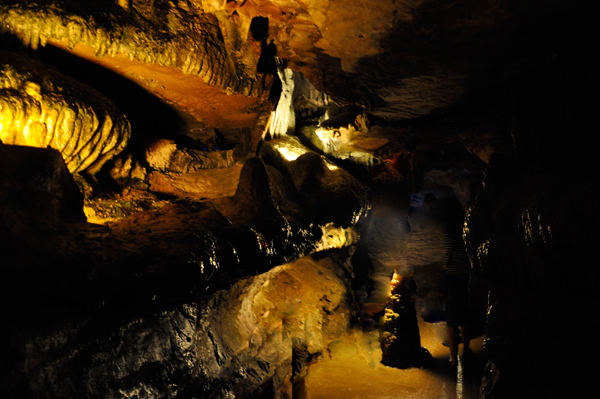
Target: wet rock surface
531 233
115 301
287 319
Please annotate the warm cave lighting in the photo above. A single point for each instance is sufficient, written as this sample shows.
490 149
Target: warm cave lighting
396 278
336 237
322 134
359 355
327 137
291 153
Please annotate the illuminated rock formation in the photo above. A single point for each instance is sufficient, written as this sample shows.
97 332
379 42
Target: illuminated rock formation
180 36
41 108
185 252
283 119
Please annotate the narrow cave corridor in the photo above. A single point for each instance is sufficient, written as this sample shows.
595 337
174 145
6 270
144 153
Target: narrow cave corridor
249 199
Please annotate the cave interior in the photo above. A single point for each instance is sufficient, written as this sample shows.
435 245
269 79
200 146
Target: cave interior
221 198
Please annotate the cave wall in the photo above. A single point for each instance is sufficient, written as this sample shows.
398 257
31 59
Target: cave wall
531 232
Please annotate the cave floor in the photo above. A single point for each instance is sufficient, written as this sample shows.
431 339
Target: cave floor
353 369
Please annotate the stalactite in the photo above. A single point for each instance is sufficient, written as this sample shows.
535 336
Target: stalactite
196 37
283 120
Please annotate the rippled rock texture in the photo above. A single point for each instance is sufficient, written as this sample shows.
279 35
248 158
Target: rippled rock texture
177 301
405 59
181 35
41 108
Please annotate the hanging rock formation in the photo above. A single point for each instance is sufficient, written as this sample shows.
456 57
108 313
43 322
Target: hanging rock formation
41 108
181 36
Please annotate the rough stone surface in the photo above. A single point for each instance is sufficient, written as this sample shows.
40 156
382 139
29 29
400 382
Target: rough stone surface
291 311
164 155
116 298
326 191
531 232
181 36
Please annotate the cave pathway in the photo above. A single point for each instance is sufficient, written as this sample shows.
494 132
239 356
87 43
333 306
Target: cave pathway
353 370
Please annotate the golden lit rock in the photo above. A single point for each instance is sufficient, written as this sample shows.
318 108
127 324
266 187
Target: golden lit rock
41 108
174 35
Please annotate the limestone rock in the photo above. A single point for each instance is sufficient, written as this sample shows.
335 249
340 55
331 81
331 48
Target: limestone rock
284 321
164 155
116 313
157 32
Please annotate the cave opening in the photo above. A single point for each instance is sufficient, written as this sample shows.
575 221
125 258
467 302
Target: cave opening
259 27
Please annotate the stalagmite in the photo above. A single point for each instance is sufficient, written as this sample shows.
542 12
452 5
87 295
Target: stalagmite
401 341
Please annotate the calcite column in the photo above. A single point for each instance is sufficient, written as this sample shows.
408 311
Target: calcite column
401 341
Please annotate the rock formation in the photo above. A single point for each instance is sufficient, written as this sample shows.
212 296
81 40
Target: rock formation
183 238
41 108
400 341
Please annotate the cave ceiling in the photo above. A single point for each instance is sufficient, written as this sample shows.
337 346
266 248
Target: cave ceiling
431 81
403 59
